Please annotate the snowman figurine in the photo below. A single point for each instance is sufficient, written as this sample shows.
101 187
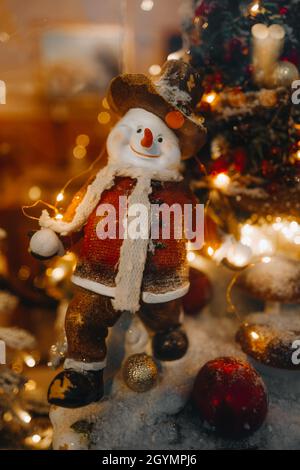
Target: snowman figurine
145 276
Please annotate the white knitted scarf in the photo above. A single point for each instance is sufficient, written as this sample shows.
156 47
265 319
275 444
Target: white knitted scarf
133 253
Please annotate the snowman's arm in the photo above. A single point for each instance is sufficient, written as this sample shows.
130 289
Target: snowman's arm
71 209
74 237
70 240
45 244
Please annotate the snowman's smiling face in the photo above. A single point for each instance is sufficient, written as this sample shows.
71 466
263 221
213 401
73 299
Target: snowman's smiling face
141 139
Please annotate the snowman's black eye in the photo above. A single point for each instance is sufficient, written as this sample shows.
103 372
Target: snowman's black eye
139 130
160 140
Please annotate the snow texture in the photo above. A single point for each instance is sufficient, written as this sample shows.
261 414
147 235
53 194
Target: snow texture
279 278
164 417
17 338
172 94
8 303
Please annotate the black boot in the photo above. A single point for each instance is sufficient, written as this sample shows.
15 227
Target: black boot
170 345
73 389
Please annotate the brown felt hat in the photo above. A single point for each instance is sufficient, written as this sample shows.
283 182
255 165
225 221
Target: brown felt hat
173 97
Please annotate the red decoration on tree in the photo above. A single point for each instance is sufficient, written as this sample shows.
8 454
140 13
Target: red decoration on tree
204 8
267 168
283 11
218 78
219 166
240 160
199 294
231 396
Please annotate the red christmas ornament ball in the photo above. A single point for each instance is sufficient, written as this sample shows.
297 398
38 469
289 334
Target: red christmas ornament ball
199 294
231 396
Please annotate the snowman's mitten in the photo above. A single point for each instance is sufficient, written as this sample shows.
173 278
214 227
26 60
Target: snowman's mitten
45 244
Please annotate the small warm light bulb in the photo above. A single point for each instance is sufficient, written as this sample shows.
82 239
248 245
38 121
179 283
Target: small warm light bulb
58 274
255 8
36 438
24 416
266 259
79 152
298 155
210 251
82 140
60 197
104 117
254 335
221 181
210 97
7 417
34 193
247 229
155 69
59 216
147 5
191 256
174 55
30 361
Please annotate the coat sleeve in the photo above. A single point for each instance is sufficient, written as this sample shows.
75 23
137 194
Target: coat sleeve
69 214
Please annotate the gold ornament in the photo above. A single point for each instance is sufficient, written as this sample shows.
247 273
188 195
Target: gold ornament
285 73
236 98
140 372
268 98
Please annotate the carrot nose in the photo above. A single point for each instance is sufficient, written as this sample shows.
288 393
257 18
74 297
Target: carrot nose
147 140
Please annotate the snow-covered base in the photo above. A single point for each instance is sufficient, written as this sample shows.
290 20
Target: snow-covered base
163 418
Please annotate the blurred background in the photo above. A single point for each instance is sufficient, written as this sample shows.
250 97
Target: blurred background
57 59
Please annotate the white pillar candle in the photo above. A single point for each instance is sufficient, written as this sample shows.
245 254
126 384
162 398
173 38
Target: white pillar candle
267 47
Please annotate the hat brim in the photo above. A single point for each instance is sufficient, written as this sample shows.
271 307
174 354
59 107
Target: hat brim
129 91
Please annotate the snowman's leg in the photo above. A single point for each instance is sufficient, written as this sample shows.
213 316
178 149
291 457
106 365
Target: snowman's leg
169 341
87 321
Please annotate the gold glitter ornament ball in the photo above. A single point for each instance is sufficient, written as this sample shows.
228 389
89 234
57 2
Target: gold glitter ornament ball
140 372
